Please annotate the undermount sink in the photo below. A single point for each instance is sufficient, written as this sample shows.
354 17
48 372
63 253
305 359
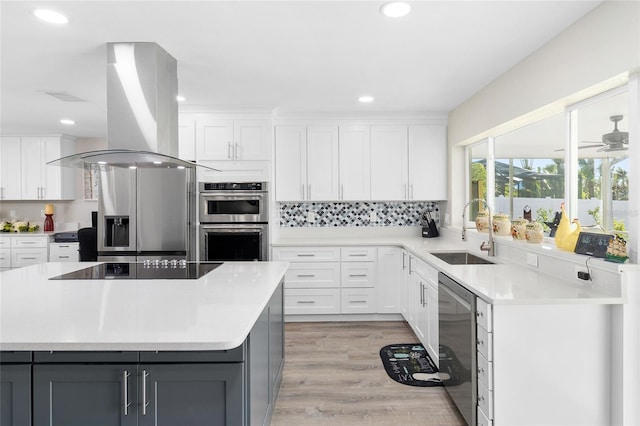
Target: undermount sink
462 258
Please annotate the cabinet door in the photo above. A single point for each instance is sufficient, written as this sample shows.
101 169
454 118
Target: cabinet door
190 394
214 138
251 140
420 312
80 395
389 280
291 163
15 395
52 183
32 161
322 163
10 168
427 162
389 176
187 137
432 322
355 163
259 368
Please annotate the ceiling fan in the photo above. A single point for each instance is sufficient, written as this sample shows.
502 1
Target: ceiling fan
614 141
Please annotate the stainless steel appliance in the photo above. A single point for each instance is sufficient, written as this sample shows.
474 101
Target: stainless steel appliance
457 334
234 221
146 213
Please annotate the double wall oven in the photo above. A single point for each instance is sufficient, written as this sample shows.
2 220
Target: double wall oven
234 221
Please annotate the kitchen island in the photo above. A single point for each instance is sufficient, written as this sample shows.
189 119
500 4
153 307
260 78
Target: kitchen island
119 351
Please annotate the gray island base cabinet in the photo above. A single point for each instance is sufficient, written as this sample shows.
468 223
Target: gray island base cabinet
236 387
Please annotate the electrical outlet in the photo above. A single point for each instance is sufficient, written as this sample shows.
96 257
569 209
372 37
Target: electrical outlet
42 213
12 214
581 274
532 259
373 216
311 217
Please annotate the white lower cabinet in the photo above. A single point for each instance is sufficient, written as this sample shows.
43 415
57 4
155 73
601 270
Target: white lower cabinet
64 252
29 251
389 280
329 280
422 301
484 364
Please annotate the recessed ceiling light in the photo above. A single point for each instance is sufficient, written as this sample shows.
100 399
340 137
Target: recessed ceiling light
67 121
50 16
365 99
395 9
180 98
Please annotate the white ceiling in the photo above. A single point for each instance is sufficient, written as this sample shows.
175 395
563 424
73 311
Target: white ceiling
311 56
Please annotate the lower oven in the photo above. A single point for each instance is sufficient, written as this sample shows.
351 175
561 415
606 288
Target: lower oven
229 242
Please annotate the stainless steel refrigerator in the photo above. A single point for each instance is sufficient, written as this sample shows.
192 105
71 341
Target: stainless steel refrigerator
146 213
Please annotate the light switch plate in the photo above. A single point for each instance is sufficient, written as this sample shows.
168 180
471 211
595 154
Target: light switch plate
532 259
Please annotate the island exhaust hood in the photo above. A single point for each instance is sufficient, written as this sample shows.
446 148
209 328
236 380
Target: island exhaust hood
142 110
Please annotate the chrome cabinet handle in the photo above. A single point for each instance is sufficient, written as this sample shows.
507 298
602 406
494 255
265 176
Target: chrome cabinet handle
357 301
309 191
405 189
342 191
411 189
28 242
306 275
479 314
357 275
481 370
481 398
305 255
302 190
29 258
1 192
126 403
235 154
145 404
229 150
480 342
63 257
306 301
357 254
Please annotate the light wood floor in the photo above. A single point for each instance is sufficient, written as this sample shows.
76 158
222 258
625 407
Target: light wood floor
333 373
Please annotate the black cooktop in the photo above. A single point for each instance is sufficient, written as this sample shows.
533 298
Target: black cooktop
162 270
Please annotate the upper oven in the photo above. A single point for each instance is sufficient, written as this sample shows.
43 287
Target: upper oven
237 202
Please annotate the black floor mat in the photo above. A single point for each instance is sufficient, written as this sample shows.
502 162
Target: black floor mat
410 364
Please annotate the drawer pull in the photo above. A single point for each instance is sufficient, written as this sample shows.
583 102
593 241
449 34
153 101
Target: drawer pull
63 257
481 398
27 242
305 255
306 301
358 255
479 314
480 370
306 275
29 258
357 301
357 275
480 342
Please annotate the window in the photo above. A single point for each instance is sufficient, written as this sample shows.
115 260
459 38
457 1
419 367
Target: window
531 172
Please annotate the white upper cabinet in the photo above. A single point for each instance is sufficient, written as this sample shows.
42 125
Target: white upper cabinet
389 163
39 180
306 163
427 162
231 139
187 137
355 163
291 163
10 168
322 163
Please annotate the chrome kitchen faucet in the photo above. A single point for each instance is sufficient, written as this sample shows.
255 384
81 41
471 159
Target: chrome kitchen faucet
487 246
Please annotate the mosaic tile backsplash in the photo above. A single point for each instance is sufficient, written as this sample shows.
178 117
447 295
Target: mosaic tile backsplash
319 214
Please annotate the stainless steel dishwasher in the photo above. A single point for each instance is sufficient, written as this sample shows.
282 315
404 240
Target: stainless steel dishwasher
457 333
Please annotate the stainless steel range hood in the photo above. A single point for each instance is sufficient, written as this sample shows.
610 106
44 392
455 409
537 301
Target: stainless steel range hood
142 110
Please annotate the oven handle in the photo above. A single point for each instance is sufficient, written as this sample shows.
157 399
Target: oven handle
233 228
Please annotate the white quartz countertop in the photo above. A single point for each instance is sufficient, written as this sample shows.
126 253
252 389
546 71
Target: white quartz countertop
214 312
501 283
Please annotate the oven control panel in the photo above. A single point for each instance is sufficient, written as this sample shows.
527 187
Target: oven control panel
233 186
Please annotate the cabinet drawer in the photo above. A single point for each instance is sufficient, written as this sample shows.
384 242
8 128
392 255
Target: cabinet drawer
485 400
358 274
313 275
358 301
358 254
485 371
312 301
25 257
424 270
64 252
483 314
483 420
485 343
29 242
5 258
5 243
307 254
85 356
